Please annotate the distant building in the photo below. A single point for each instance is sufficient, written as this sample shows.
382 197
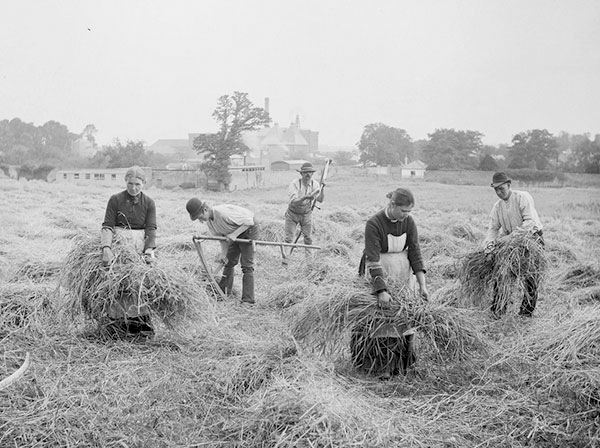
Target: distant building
97 176
274 143
287 165
265 145
414 169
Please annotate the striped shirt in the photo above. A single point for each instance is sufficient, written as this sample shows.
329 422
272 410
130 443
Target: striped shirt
516 212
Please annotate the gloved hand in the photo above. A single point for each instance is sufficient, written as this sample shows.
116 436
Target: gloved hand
107 256
424 293
383 300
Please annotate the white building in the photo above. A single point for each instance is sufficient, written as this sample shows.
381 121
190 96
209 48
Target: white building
414 169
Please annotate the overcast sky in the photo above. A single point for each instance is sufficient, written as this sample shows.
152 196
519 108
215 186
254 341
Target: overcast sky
149 69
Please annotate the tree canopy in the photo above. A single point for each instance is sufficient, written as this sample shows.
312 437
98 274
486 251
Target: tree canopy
384 145
448 148
118 155
536 148
21 142
234 114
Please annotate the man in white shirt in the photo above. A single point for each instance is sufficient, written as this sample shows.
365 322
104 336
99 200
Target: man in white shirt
232 222
302 194
514 210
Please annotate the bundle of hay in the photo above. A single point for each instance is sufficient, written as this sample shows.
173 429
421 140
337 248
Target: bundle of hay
325 320
514 259
168 292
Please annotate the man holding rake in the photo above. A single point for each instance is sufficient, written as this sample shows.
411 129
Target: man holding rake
303 193
232 222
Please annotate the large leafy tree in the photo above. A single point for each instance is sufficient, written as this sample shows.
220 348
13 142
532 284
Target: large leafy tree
536 148
448 148
384 145
235 115
49 144
586 155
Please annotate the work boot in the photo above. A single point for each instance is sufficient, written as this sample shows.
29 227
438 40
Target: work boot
226 282
248 287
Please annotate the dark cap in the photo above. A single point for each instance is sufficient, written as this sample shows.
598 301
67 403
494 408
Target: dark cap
194 207
306 168
499 179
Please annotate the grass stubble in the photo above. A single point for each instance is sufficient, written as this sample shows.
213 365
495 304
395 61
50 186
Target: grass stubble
279 374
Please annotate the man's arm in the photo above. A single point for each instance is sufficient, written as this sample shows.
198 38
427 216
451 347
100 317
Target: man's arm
493 228
237 232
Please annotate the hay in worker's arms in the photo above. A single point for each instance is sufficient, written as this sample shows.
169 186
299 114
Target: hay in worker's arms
168 292
513 259
325 320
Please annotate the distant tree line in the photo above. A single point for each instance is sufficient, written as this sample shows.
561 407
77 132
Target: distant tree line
535 149
37 150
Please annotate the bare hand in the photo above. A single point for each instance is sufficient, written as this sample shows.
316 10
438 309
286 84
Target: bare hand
149 256
107 256
383 300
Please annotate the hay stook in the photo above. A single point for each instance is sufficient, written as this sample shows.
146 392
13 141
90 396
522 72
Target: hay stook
161 287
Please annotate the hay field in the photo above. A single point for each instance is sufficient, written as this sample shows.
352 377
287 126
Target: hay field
241 377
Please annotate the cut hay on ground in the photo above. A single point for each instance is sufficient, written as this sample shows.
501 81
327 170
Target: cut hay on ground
570 352
168 292
272 230
513 260
19 302
582 276
37 271
289 293
325 321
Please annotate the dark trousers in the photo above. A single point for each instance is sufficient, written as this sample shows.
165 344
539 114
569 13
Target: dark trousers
531 283
245 252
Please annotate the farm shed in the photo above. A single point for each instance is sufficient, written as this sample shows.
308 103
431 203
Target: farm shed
286 165
414 169
97 176
246 176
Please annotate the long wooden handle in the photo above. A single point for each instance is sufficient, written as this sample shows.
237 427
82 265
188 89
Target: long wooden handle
265 243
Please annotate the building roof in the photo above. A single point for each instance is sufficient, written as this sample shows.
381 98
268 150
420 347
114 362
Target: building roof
415 165
293 136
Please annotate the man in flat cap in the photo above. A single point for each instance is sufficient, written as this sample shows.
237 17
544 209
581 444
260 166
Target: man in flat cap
514 210
232 222
302 194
